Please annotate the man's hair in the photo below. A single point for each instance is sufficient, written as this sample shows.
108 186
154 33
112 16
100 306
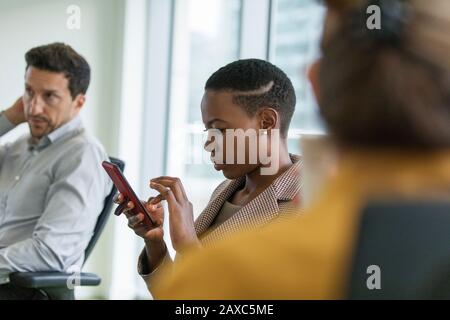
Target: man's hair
60 57
257 84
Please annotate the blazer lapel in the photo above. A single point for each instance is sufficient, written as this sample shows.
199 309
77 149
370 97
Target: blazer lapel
207 216
259 211
256 213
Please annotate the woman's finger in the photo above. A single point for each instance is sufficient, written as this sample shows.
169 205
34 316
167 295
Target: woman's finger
165 192
156 200
128 210
121 208
135 220
118 198
153 207
174 184
179 185
156 213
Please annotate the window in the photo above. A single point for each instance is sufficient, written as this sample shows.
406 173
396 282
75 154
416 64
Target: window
206 37
294 43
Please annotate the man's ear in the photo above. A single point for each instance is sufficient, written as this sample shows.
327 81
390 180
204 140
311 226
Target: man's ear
79 101
269 119
313 77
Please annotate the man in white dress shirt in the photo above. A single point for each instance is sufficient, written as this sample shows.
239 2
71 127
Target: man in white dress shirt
52 186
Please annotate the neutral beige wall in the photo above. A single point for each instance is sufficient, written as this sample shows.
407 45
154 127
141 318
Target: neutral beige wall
28 23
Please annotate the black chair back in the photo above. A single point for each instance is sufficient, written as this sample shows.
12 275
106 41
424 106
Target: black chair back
410 243
104 215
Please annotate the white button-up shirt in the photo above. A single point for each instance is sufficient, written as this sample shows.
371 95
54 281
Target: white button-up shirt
51 194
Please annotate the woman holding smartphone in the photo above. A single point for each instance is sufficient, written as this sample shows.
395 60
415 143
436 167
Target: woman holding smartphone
246 96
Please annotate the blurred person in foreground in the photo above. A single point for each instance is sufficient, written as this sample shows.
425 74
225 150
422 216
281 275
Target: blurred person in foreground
385 97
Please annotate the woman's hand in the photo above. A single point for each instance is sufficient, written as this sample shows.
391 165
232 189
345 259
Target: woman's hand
152 235
135 221
181 218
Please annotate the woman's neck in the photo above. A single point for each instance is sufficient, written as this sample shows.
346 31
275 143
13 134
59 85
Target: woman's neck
255 181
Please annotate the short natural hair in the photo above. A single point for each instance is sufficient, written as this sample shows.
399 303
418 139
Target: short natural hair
256 84
60 57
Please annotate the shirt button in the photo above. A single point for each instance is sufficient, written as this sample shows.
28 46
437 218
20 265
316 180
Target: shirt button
17 178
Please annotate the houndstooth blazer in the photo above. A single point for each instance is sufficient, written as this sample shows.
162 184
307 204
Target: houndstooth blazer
276 200
279 200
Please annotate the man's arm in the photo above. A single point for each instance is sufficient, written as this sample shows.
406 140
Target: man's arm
62 233
5 124
9 119
12 116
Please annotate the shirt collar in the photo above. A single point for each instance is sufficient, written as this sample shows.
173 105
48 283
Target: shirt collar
287 185
67 128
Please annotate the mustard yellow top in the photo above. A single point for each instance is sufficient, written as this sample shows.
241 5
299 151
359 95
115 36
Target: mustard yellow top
308 257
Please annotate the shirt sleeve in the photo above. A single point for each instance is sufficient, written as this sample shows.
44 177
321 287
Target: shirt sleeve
73 203
5 127
147 274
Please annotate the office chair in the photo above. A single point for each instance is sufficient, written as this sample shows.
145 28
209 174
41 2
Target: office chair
410 243
54 284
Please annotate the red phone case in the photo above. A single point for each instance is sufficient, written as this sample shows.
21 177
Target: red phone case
124 188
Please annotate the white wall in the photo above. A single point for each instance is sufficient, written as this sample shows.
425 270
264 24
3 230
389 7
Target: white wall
28 23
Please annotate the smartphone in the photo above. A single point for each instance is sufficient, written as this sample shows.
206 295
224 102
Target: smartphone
125 189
